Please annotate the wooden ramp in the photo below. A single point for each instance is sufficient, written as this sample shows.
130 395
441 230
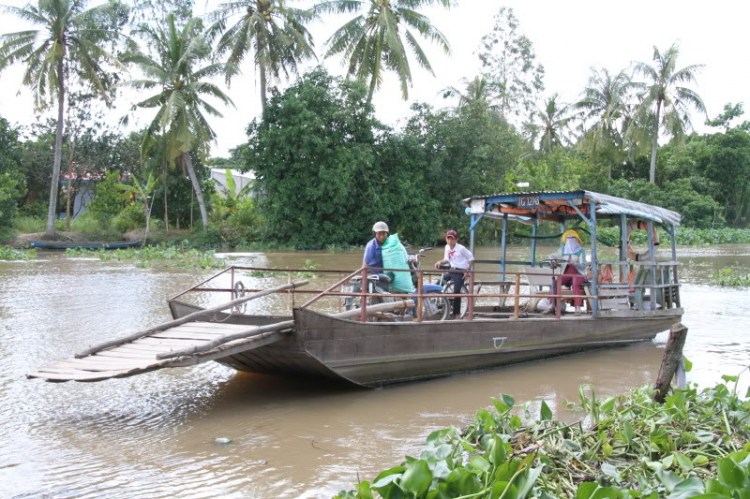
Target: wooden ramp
165 348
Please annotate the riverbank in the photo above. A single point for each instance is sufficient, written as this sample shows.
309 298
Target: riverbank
697 442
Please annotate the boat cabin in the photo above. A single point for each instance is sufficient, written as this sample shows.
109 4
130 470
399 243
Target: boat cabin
630 281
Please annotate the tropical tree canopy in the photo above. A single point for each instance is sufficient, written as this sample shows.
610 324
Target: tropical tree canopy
554 129
71 45
665 103
272 32
181 88
377 40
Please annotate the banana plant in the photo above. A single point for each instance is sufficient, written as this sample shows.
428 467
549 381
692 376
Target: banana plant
143 193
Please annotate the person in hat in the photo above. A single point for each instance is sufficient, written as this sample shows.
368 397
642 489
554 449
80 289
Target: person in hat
373 257
574 274
459 258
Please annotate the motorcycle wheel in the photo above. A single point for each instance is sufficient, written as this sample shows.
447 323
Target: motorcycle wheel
440 304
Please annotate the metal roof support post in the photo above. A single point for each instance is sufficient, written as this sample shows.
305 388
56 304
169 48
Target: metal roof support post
623 248
594 262
533 240
471 233
673 239
652 262
503 244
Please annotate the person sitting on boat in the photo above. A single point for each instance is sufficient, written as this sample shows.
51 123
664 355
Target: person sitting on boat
459 258
373 257
574 273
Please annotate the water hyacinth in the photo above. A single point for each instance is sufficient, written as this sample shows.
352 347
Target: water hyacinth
9 253
155 256
694 445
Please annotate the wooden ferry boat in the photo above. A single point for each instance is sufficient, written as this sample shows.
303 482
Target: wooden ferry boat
373 346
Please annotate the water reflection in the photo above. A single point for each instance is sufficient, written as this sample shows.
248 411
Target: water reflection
154 435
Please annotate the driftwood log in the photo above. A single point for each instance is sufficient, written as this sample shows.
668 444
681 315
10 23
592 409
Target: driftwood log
670 361
182 320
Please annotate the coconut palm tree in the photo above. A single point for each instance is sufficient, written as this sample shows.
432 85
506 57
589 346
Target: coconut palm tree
68 46
554 129
480 89
182 86
604 102
377 40
274 33
665 100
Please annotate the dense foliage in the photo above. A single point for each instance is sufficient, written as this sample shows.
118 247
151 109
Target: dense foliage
624 447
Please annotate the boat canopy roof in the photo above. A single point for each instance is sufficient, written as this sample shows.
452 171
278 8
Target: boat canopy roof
560 205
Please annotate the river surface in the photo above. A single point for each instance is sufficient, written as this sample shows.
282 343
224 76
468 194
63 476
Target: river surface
154 435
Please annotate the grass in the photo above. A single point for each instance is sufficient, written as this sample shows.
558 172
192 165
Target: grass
731 277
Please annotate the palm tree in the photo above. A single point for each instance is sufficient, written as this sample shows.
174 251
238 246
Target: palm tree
480 89
372 42
68 45
604 101
555 127
274 33
666 103
180 100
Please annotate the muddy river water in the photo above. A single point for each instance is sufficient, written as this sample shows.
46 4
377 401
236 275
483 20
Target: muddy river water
154 435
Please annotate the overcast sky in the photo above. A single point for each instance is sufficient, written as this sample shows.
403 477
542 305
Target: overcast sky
569 37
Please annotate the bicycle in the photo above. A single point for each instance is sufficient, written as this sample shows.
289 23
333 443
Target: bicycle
446 286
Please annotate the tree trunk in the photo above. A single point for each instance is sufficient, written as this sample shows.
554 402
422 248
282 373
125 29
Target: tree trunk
654 145
52 212
263 84
69 186
196 187
166 214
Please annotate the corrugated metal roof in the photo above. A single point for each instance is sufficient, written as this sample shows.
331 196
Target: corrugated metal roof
606 204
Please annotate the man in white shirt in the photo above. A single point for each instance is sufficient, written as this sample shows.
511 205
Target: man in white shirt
459 258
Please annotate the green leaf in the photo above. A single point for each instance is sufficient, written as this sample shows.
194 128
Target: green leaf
683 461
714 486
608 404
730 474
528 481
610 471
500 407
545 414
688 365
515 422
480 463
498 488
690 487
497 451
592 490
728 378
417 478
364 491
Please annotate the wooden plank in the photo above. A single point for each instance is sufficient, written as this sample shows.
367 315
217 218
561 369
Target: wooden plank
139 347
188 318
184 335
98 365
83 376
125 355
168 342
218 326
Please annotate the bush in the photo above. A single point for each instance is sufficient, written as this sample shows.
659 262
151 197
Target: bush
131 218
108 199
28 224
35 209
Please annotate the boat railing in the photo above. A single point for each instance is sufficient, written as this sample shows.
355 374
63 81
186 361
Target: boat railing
509 284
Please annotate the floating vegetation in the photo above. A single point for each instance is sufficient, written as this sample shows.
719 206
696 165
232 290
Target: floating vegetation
307 271
728 276
625 447
10 253
150 256
685 236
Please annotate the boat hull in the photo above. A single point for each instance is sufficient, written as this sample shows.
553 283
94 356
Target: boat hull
379 353
62 245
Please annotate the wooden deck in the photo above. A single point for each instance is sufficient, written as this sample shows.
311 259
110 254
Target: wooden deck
140 355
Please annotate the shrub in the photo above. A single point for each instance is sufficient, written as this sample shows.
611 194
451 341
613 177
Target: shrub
131 218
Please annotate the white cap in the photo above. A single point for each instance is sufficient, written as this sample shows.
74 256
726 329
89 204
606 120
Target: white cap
380 227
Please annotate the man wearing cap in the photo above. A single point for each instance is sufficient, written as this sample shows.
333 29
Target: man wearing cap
373 257
459 258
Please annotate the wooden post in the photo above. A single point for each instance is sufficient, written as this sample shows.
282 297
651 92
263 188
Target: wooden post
517 298
670 360
470 306
420 290
364 288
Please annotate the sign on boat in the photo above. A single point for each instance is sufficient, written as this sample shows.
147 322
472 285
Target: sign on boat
389 337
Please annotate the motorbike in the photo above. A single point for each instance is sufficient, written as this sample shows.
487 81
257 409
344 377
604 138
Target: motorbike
434 308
